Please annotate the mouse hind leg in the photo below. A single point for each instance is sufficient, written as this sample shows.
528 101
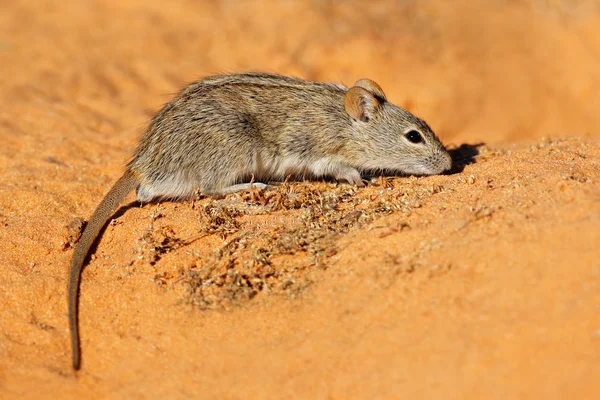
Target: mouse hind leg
171 187
242 186
243 169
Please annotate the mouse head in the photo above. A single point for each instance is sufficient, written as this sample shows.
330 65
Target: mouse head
390 138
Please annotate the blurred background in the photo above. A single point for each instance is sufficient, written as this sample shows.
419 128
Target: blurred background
477 71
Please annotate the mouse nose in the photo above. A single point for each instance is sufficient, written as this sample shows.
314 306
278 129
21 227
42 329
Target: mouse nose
448 165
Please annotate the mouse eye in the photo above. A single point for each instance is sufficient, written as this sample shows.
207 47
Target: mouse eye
414 136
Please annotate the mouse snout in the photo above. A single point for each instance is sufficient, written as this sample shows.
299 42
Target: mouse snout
438 162
446 163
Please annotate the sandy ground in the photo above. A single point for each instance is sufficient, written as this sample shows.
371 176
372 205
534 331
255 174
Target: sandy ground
484 283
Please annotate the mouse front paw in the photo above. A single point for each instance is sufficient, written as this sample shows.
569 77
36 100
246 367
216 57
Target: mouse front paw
350 175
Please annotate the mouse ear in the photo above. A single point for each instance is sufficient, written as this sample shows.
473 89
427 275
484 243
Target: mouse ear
361 104
372 87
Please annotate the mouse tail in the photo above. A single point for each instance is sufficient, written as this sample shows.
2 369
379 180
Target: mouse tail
115 196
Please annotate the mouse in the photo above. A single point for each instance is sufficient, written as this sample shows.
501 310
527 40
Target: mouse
229 132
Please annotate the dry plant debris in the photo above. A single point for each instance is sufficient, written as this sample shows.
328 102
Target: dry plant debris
281 258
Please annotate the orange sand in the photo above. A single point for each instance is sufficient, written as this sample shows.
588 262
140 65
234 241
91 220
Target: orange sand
480 284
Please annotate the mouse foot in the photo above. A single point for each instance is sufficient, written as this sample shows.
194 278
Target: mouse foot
243 186
350 175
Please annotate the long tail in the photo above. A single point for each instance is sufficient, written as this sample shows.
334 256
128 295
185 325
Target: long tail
115 196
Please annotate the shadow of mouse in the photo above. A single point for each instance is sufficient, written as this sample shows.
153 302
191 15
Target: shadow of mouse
462 156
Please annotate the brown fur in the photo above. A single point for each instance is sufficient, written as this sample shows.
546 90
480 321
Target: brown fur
220 131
